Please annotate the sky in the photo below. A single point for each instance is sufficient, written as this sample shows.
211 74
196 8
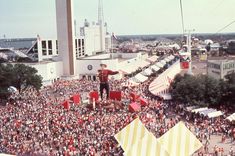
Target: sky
27 18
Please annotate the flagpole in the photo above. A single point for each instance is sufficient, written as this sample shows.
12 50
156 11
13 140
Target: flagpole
112 46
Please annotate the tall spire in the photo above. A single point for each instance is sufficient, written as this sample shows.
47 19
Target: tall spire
100 13
101 25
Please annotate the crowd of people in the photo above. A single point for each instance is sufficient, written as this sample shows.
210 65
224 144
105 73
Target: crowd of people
35 123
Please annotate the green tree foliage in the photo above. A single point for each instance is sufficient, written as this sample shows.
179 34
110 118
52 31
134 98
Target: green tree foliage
200 89
19 76
230 96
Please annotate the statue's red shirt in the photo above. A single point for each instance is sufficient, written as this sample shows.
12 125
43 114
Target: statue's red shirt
104 74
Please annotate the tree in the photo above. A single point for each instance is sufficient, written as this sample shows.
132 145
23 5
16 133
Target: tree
230 96
199 89
26 76
19 76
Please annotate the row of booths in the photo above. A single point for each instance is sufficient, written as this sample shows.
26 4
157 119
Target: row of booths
210 112
153 66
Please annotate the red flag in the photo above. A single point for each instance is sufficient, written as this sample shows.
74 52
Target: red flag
66 105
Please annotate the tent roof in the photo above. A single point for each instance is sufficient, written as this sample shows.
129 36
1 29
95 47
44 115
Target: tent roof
180 141
231 117
215 114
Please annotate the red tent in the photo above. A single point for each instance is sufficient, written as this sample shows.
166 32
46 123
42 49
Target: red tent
143 102
115 95
66 105
75 98
94 95
134 107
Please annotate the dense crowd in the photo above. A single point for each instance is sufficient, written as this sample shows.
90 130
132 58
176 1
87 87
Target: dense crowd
35 123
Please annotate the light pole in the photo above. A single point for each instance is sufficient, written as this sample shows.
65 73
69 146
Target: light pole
189 50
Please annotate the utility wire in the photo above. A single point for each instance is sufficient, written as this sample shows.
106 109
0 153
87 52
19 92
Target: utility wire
182 17
225 27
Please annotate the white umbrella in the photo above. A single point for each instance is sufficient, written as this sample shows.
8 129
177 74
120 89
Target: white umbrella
12 89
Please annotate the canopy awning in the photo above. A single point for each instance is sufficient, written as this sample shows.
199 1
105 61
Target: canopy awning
143 64
206 112
199 109
159 64
166 96
167 60
163 62
155 68
148 71
171 57
190 108
231 118
152 58
180 141
147 146
131 134
215 114
141 77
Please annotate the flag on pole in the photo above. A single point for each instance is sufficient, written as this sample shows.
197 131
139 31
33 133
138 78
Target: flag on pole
114 36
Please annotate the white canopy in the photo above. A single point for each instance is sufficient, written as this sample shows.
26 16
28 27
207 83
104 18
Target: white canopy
199 109
190 108
141 77
163 62
159 65
143 64
154 67
148 71
133 66
171 57
231 117
152 59
166 96
167 59
215 114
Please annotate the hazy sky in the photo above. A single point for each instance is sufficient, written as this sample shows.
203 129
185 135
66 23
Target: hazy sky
27 18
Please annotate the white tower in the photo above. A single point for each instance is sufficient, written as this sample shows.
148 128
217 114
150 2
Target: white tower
65 35
101 25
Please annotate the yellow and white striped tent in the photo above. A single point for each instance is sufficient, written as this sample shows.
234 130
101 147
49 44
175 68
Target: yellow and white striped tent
180 141
148 146
131 134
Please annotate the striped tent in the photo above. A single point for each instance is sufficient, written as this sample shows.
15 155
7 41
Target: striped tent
180 141
131 134
231 117
148 146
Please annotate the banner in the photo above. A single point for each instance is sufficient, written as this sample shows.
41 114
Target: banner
76 98
115 95
94 95
134 107
184 65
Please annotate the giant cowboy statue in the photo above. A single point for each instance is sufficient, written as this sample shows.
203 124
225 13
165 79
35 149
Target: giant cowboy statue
103 74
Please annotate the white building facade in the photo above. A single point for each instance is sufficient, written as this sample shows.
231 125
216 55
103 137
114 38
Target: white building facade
218 69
